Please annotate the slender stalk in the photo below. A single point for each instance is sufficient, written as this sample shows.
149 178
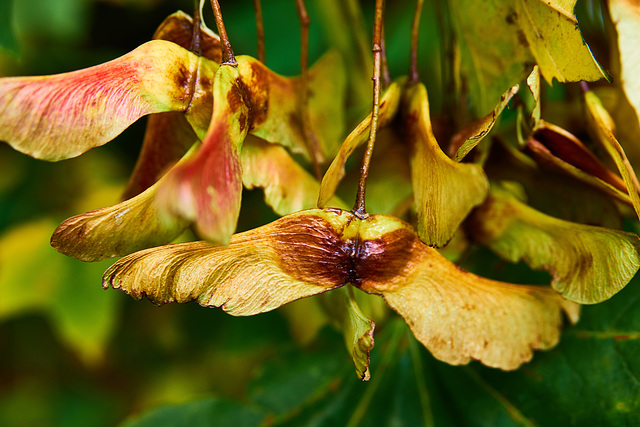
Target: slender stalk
228 58
413 74
260 30
386 77
359 208
310 137
195 31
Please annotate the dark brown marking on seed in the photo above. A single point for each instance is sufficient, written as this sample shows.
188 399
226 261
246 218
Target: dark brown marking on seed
259 93
235 98
382 259
309 249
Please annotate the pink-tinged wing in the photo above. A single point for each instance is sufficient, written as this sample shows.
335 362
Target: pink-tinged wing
62 116
207 189
166 140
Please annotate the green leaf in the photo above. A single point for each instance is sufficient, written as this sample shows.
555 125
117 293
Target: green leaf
501 40
205 412
35 278
8 39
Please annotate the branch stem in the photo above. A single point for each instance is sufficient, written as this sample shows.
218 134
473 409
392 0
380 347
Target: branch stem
260 30
309 135
228 58
359 208
413 74
195 31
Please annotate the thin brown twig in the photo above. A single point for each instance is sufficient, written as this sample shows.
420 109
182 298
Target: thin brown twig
359 208
414 77
310 137
386 77
228 58
260 30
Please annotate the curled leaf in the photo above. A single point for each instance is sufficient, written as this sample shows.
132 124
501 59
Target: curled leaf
469 137
588 267
444 191
62 116
603 125
388 108
355 326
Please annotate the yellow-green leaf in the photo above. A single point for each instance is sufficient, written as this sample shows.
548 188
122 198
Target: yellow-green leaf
589 264
474 133
501 40
444 191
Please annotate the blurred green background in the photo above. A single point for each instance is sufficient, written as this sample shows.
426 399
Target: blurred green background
72 354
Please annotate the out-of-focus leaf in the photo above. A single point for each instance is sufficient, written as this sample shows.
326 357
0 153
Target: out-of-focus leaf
8 39
590 267
603 125
501 40
352 43
287 186
200 413
625 15
388 108
34 278
473 134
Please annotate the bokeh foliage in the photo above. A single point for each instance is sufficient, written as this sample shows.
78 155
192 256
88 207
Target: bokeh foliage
72 354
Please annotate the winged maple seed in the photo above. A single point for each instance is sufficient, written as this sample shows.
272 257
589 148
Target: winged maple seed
457 315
